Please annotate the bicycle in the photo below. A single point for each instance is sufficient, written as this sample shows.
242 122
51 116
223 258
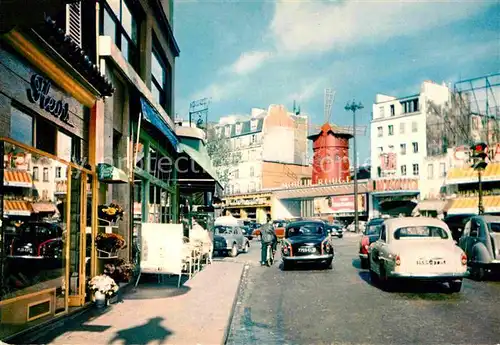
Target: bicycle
270 255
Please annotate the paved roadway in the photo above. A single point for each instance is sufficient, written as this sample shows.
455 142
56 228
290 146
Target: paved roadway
340 306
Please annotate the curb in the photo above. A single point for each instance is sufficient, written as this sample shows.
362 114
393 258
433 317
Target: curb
229 323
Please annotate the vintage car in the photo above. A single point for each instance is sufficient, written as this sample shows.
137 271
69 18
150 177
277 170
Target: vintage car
370 235
38 240
481 243
335 229
416 248
307 241
230 240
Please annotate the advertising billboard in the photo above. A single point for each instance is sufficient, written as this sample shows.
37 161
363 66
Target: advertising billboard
339 204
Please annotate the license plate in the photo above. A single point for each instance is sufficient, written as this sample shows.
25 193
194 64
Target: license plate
307 250
431 262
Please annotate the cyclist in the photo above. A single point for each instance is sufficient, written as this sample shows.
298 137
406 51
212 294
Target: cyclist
267 237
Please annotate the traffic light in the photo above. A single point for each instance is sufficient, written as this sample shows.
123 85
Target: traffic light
479 155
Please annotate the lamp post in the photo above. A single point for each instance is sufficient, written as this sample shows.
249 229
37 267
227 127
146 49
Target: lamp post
353 107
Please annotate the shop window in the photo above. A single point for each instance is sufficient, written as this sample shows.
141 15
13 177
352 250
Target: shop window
21 127
36 175
45 174
160 81
120 23
32 256
46 136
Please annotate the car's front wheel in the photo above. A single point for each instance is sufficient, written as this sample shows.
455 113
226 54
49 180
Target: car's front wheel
455 286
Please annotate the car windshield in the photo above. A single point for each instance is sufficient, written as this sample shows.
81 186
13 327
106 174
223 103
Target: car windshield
305 230
373 229
495 227
420 232
223 230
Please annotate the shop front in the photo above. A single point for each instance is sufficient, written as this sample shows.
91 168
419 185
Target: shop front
48 190
255 206
394 197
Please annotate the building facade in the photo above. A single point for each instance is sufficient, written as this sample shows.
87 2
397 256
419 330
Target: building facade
399 145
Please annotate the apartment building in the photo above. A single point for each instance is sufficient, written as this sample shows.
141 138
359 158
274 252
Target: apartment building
272 146
399 144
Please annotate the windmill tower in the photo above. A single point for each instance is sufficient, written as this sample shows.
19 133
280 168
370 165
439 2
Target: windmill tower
331 147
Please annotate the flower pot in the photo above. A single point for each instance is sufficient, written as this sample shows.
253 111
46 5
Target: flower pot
100 299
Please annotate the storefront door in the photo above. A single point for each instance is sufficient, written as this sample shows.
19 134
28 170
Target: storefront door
77 238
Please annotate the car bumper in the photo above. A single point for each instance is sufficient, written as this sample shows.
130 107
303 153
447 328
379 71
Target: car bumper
309 258
363 256
429 276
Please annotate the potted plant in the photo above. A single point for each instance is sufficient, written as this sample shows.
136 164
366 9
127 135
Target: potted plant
110 213
120 270
109 243
103 287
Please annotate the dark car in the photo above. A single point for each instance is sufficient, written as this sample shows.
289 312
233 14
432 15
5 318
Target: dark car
370 235
307 241
456 223
247 231
38 240
335 229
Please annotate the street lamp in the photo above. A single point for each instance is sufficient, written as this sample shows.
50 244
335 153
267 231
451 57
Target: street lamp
353 107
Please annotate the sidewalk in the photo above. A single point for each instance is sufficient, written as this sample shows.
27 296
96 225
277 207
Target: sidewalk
199 316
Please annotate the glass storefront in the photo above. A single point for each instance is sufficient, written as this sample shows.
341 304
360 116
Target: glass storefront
43 226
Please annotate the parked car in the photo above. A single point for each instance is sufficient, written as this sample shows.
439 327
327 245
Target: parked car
417 248
307 241
38 240
456 223
370 235
481 242
247 232
335 229
230 240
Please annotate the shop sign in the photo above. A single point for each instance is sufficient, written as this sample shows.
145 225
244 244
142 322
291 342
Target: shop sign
249 202
387 185
39 93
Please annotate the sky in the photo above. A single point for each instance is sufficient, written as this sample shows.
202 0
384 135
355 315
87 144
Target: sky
250 54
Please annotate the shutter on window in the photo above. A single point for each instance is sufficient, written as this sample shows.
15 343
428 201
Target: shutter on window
74 22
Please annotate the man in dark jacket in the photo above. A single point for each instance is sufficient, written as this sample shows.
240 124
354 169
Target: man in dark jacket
267 237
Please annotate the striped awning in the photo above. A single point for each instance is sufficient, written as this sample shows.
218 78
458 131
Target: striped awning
320 190
17 208
17 178
469 175
470 205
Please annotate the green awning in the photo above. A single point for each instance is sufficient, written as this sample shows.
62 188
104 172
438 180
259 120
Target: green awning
200 157
107 173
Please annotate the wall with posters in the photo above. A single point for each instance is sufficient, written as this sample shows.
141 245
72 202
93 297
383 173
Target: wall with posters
340 204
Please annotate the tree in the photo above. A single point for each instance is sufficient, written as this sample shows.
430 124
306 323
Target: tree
223 158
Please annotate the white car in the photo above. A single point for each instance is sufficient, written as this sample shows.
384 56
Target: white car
416 248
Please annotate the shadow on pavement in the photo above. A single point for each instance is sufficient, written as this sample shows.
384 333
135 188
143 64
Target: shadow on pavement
152 286
306 266
151 332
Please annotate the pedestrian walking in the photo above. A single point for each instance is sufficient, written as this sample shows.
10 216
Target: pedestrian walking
267 237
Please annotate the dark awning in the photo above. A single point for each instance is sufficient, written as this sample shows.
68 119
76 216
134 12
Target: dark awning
153 116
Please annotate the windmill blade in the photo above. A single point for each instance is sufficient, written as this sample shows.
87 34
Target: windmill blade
329 98
360 130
